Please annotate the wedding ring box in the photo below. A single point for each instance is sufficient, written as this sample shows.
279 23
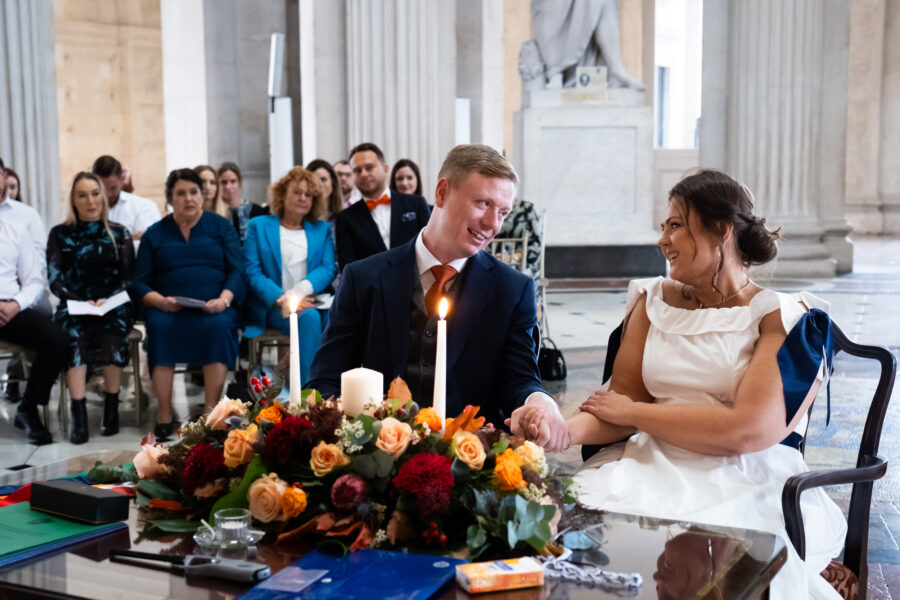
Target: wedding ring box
495 575
78 501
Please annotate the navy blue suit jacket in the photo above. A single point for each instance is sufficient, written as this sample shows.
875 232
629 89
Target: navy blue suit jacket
492 333
356 235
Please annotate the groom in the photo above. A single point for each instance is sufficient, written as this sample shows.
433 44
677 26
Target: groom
384 314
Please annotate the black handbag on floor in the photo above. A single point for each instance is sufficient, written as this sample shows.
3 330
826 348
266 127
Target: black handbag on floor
551 363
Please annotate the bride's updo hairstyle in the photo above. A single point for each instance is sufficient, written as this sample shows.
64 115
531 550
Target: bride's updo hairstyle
718 199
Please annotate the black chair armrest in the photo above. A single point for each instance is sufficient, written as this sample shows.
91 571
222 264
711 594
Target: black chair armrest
873 468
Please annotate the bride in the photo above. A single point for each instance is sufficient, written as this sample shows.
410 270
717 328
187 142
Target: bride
697 385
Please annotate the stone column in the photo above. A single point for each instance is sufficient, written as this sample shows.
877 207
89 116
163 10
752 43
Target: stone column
889 167
784 127
28 118
401 80
479 67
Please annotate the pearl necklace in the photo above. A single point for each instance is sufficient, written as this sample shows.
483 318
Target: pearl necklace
724 300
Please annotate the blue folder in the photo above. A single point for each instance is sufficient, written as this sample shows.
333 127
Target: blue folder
361 575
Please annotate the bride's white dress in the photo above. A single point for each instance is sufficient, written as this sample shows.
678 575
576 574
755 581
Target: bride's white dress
699 357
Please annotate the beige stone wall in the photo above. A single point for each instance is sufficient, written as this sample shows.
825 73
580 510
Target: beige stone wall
109 88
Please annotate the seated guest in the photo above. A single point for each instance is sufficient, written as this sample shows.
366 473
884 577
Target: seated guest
21 283
290 252
135 212
334 199
344 173
711 386
231 194
211 200
189 254
13 186
383 316
524 219
90 259
405 178
385 220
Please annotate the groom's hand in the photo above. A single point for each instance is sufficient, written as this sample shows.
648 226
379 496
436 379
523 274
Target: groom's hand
540 421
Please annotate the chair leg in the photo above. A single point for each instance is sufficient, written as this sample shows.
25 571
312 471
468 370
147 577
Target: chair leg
138 386
62 410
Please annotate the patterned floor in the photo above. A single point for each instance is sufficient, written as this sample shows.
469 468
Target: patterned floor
581 316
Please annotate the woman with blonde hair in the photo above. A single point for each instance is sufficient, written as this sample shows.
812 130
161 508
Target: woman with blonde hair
211 200
290 252
91 260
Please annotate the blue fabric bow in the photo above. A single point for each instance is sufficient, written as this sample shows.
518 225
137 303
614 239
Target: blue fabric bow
799 359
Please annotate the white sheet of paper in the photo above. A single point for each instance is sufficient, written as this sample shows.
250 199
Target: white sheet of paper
189 302
80 307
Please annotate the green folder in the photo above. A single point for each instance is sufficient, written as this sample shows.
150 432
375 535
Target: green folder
25 533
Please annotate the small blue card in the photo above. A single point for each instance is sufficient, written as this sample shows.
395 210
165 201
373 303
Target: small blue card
361 575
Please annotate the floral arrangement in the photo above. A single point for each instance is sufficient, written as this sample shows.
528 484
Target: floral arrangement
390 477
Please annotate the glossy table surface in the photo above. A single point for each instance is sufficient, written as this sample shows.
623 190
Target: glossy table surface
675 559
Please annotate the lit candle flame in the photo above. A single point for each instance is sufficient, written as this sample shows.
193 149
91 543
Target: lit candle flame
443 307
293 302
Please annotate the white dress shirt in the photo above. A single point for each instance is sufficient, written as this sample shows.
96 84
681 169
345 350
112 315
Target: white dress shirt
31 222
424 261
134 212
382 217
20 277
354 197
294 253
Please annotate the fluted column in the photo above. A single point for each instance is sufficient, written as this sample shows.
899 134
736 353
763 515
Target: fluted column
784 123
29 142
401 80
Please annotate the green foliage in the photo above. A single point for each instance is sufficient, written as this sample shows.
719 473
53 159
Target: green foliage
237 498
499 447
310 397
174 525
155 489
120 474
516 521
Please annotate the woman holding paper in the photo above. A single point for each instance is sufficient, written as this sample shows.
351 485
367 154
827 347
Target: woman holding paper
189 275
290 252
90 263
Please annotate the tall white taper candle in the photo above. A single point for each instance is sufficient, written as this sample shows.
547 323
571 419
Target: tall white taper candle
439 402
293 301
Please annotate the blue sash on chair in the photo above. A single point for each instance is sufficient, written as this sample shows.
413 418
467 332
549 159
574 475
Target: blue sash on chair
799 360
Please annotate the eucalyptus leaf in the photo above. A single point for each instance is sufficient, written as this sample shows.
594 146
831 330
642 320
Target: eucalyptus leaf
460 471
511 537
364 464
384 463
156 489
475 536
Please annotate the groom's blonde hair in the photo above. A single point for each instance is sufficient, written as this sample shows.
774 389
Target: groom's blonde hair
464 160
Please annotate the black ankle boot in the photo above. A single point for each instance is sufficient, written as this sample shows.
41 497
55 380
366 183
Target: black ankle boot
110 423
27 418
78 409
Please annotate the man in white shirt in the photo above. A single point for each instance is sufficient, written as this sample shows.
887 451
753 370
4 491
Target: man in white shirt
21 285
385 220
135 212
344 173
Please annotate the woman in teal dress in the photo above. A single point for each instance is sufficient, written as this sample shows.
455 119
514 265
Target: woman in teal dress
91 260
189 254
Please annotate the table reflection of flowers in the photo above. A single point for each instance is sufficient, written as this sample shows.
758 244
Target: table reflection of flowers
390 477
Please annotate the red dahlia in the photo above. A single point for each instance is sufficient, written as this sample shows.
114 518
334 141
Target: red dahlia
423 471
203 464
284 438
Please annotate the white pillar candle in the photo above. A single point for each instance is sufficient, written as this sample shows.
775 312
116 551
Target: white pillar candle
360 387
293 301
439 401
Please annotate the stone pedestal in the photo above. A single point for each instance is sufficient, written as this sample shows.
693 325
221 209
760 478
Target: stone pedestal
586 162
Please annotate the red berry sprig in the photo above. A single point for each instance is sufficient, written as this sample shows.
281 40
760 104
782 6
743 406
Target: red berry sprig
433 535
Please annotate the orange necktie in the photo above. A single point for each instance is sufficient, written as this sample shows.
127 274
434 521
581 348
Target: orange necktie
442 274
373 203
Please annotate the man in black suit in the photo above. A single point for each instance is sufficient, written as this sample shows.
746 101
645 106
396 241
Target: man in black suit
383 316
385 220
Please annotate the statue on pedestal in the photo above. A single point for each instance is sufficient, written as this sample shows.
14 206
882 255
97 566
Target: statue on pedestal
570 34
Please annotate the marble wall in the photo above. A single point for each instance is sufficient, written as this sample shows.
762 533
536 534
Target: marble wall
110 88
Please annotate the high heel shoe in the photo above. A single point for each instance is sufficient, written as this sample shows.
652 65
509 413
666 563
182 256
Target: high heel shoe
27 418
78 409
110 423
163 431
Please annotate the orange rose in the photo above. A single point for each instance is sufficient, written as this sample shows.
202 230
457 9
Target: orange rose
394 437
326 457
428 416
224 409
508 471
273 413
264 497
469 450
293 502
239 446
146 461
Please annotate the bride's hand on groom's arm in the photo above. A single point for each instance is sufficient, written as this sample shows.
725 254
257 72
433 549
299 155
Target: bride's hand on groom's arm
609 406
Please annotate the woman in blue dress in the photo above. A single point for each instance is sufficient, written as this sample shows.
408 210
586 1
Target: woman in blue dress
290 252
189 276
91 260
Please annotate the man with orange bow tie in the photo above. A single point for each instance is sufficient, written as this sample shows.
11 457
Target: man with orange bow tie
385 220
383 315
